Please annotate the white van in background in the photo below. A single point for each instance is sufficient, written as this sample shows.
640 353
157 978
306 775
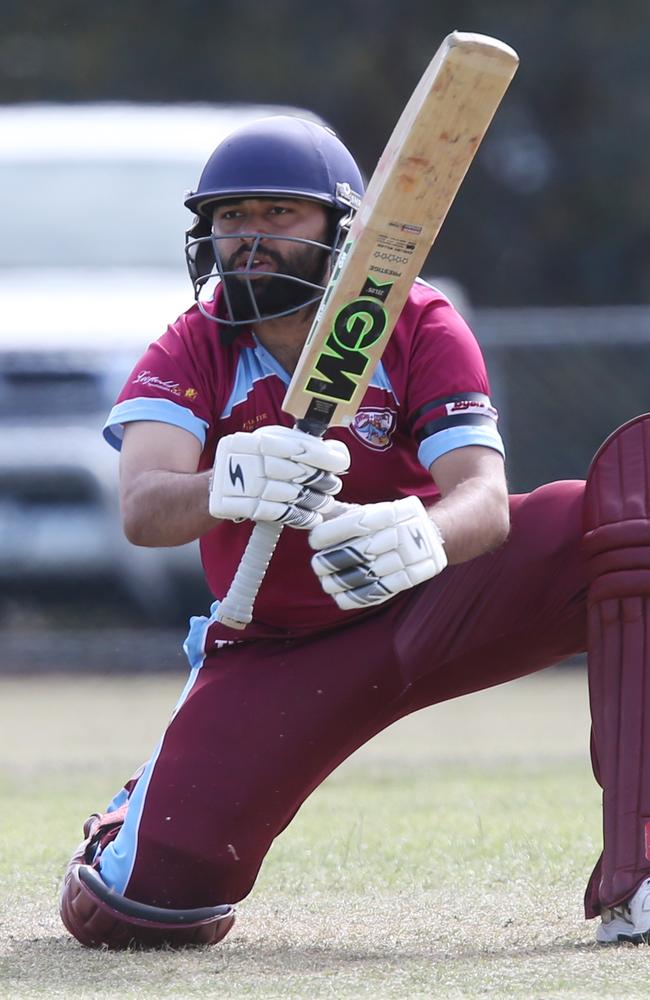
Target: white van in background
92 269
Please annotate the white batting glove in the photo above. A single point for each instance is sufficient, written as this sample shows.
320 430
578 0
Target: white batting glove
374 551
276 474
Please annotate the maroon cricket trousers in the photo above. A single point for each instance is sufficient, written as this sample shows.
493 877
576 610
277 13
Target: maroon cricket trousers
262 724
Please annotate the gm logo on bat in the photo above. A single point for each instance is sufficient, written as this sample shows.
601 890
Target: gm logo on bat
357 327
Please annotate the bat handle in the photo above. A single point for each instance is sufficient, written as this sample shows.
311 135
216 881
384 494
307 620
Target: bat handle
236 609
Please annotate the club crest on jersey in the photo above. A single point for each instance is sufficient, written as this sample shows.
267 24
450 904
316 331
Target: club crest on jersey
374 428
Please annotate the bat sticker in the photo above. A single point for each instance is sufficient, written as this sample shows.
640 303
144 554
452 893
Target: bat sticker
376 289
341 364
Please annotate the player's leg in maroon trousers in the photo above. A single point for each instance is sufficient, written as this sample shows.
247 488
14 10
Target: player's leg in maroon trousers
263 724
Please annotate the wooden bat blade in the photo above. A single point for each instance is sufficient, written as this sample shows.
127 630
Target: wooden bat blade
408 197
401 213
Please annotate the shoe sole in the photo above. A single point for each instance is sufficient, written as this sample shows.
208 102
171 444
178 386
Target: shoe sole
635 939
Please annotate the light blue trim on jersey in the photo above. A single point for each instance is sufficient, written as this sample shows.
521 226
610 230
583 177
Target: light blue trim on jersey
270 363
256 363
458 437
194 645
118 800
164 411
118 858
189 684
253 365
380 380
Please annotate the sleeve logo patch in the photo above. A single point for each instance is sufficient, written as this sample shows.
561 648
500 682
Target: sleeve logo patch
485 409
374 428
148 378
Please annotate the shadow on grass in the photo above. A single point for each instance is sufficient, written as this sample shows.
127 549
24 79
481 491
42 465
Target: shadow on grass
72 970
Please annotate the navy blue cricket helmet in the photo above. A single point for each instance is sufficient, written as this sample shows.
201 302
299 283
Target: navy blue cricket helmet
279 156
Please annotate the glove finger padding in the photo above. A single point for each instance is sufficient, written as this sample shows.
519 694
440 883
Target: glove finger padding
324 482
375 551
286 470
287 442
271 475
313 500
365 519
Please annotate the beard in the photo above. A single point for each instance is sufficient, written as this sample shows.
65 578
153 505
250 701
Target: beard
256 296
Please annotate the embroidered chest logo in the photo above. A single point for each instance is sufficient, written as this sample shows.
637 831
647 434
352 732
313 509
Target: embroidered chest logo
374 428
252 422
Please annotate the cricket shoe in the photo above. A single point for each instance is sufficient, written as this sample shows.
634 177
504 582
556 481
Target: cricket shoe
628 921
98 830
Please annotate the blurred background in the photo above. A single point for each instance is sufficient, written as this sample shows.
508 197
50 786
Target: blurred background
108 111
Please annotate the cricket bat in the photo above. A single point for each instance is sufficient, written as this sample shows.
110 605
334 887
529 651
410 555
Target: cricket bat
400 215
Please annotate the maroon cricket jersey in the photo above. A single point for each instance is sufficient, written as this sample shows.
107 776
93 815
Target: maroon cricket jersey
428 395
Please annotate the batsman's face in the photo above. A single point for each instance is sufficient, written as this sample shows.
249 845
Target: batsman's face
239 222
255 240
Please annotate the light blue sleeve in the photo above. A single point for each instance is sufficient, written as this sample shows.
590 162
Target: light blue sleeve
164 411
459 437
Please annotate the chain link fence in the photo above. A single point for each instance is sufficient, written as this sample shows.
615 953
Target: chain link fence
563 379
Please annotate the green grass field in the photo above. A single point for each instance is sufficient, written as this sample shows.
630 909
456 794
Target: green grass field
446 859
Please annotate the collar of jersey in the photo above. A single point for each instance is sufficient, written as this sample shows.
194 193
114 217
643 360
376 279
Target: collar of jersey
268 362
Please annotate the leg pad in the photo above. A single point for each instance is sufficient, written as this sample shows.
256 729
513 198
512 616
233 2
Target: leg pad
617 549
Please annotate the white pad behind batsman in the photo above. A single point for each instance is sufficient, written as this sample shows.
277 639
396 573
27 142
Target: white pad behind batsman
374 551
276 474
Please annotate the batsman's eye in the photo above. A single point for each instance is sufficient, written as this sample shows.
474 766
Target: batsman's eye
228 215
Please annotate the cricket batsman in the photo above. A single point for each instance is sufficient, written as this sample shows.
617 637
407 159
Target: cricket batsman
406 575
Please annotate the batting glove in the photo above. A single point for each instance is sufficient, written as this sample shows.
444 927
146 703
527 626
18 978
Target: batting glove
374 551
276 474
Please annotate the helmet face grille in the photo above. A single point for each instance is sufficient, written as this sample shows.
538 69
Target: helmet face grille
251 295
